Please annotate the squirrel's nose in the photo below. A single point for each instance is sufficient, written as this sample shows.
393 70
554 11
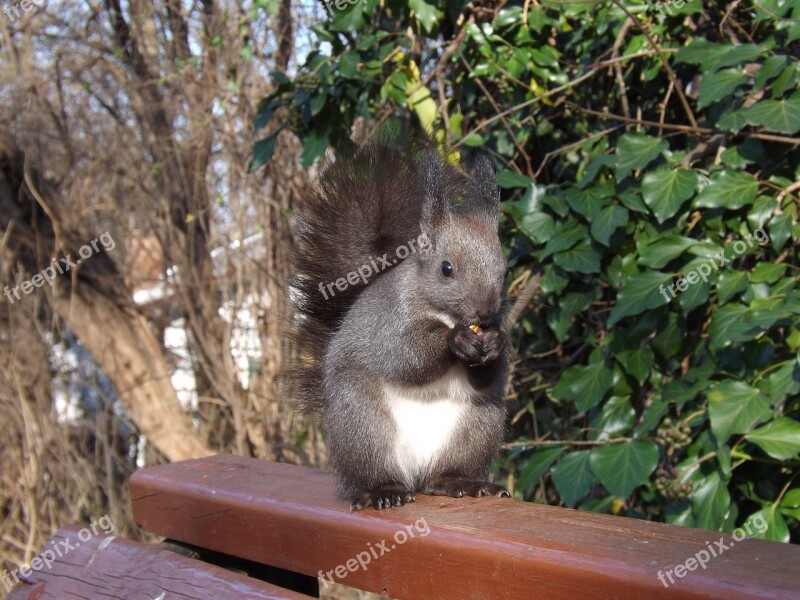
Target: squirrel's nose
486 311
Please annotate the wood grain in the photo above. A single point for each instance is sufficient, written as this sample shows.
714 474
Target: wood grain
288 517
113 568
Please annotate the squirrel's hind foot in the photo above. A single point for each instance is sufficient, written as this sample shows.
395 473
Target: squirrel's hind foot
383 497
456 487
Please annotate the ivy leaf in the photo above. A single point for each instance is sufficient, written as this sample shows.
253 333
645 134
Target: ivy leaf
314 146
623 467
729 284
350 18
536 465
664 251
587 202
573 477
636 151
509 179
782 383
582 258
641 293
716 86
779 230
262 151
427 14
710 502
637 362
735 407
607 221
713 56
584 385
729 189
773 526
779 438
665 190
616 418
781 116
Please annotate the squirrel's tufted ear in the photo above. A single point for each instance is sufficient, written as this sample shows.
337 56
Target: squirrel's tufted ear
482 193
435 206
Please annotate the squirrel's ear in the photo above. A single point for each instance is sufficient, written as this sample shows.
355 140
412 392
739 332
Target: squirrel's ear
482 193
435 207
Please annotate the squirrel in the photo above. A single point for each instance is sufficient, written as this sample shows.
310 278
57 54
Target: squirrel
399 290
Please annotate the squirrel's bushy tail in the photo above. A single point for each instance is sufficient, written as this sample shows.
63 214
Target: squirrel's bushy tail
363 209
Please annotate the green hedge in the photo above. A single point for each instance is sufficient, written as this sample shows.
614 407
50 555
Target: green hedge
649 157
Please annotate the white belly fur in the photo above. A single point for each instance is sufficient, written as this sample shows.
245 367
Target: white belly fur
426 418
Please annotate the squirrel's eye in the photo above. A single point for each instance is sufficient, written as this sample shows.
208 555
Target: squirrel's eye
447 269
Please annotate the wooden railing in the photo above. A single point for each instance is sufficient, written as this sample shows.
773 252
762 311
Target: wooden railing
281 527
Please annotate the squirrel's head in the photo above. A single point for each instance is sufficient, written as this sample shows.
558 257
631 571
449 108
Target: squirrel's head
461 267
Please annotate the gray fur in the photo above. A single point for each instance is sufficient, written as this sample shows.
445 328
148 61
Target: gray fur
396 333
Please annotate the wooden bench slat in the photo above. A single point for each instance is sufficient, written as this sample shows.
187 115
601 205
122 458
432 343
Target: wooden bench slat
119 569
288 517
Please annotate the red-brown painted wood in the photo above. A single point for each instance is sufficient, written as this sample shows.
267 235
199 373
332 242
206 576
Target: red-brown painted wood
115 568
288 517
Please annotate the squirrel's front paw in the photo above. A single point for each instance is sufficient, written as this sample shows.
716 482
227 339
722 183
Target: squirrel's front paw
494 342
465 344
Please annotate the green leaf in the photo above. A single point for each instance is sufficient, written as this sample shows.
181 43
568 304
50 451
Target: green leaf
782 383
637 362
262 151
665 190
616 418
712 56
729 284
586 202
536 465
569 234
767 272
623 467
349 18
581 258
729 189
779 438
636 151
665 250
584 385
427 14
767 524
780 228
716 86
710 502
314 146
641 293
735 407
348 63
769 69
606 222
573 476
509 179
781 116
473 140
